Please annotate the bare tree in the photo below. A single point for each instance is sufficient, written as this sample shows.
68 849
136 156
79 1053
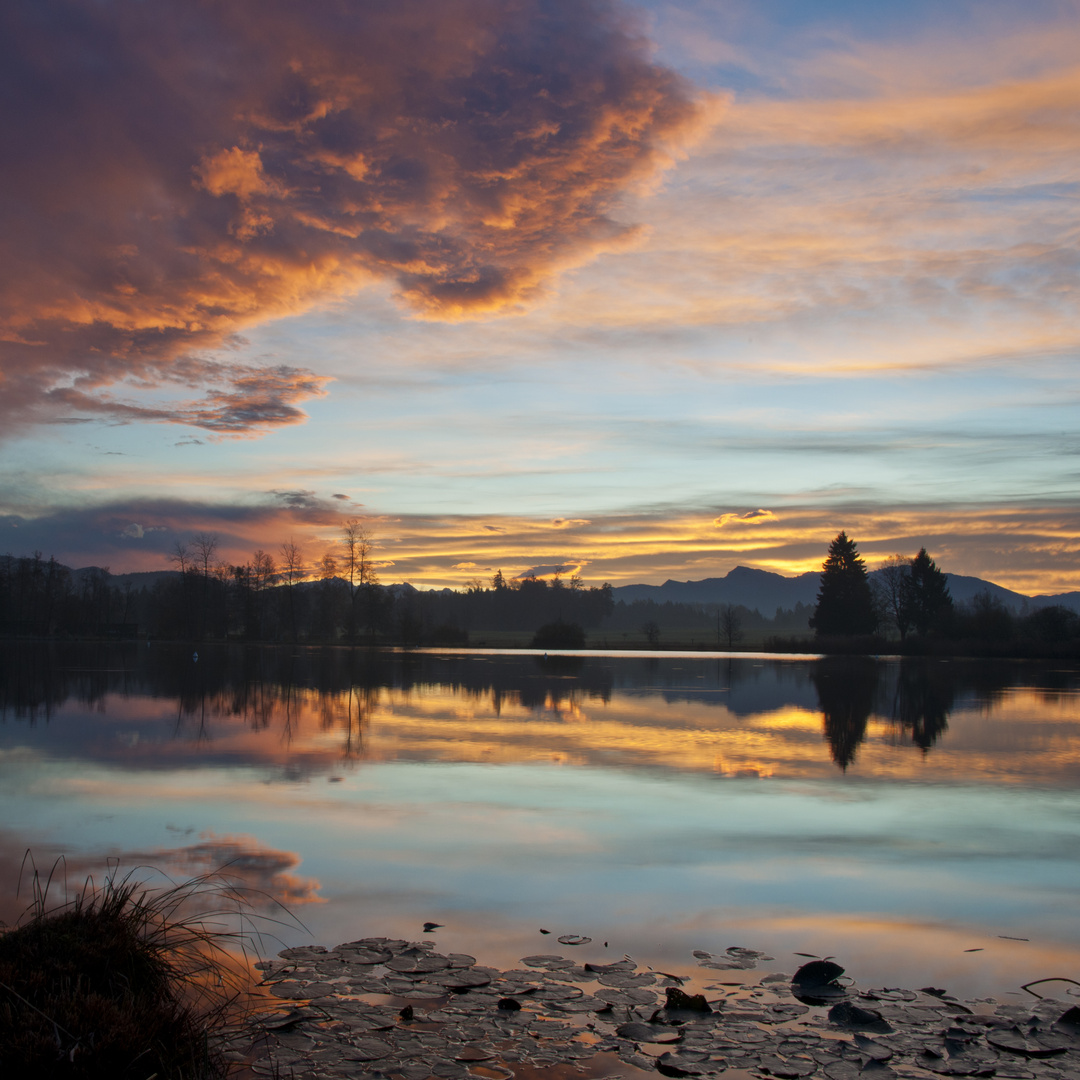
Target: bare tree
358 544
891 591
180 557
729 624
203 549
292 572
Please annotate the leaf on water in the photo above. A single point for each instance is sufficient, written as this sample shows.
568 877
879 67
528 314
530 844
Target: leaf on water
369 1050
1034 1044
815 983
979 949
574 939
679 1000
463 980
460 959
851 1016
873 1049
473 1053
429 926
619 965
633 996
648 1033
1009 937
363 956
420 963
543 931
624 979
547 961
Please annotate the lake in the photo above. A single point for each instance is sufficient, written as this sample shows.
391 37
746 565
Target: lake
918 820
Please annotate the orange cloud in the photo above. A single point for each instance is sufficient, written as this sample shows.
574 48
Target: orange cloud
465 151
751 517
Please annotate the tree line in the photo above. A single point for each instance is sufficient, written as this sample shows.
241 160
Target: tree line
910 597
282 596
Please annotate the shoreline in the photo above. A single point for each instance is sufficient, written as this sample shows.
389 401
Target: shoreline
392 1008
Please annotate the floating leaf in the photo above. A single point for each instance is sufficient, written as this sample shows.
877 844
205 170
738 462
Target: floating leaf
429 926
545 961
574 939
680 1000
421 963
851 1016
815 983
648 1033
1033 1044
369 1049
473 1053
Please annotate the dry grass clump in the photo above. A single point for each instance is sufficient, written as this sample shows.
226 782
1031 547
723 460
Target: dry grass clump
124 981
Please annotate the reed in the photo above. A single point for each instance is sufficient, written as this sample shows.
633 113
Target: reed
125 980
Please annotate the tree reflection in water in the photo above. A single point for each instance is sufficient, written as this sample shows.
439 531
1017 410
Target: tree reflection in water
342 688
847 688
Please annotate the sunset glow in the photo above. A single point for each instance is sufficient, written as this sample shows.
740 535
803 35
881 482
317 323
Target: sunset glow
652 290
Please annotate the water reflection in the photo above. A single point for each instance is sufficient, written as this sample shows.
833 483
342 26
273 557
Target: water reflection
752 714
660 802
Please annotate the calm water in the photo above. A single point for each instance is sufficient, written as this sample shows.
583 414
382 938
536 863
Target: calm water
891 815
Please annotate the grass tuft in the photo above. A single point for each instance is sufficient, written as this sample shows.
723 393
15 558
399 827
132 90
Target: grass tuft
125 981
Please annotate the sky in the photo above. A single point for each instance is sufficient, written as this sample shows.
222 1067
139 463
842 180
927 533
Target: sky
646 291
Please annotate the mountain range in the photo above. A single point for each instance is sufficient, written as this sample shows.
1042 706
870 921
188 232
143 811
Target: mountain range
765 591
760 590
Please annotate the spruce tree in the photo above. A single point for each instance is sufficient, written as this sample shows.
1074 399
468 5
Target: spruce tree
844 602
926 594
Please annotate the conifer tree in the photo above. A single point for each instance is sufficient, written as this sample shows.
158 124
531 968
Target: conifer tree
926 594
844 603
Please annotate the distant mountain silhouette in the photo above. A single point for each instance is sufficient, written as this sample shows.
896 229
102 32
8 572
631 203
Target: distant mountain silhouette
765 591
755 589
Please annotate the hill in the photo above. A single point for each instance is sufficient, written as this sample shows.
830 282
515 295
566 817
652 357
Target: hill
765 591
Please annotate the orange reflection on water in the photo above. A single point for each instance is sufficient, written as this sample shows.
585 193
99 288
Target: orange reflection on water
1023 738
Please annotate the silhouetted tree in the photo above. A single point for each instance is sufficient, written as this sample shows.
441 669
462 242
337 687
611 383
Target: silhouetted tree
729 624
652 632
986 618
357 567
844 603
925 595
292 572
891 586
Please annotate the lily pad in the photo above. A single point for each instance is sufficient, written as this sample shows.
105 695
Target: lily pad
850 1016
633 996
545 961
815 983
669 1064
574 939
788 1068
1033 1044
680 1001
473 1053
369 1050
648 1033
624 979
418 963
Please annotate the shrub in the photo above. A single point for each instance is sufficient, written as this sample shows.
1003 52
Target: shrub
559 635
118 983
